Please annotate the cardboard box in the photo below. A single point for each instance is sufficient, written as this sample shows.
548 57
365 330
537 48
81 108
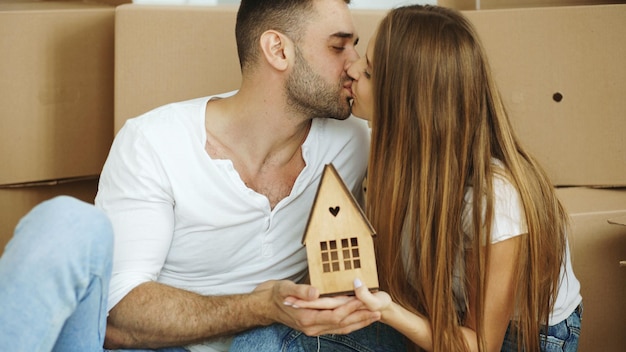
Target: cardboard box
17 201
56 89
171 53
560 71
562 77
561 74
509 4
598 244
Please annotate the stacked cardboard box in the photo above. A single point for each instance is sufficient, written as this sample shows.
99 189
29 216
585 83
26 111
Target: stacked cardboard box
560 74
56 102
598 243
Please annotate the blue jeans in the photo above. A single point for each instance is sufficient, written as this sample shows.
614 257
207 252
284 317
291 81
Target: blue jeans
170 349
562 337
374 338
54 277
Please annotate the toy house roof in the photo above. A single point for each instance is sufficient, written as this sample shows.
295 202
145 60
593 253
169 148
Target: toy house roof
335 211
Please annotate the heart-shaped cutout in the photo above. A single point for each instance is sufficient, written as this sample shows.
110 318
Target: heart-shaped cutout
334 210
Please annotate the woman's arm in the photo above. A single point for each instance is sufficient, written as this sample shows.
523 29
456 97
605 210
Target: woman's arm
499 300
499 295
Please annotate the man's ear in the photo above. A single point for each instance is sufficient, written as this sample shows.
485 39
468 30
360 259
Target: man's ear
277 49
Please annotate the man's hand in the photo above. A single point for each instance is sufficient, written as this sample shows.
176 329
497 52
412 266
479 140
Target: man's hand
300 307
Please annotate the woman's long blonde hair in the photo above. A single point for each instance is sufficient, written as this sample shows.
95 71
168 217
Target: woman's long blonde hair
437 126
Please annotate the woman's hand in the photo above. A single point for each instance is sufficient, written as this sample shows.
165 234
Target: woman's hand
319 303
376 302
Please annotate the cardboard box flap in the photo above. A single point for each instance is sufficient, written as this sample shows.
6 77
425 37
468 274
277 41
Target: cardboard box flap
582 201
49 182
620 220
46 6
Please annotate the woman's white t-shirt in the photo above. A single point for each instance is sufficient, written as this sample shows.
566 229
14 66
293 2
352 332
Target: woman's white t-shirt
510 221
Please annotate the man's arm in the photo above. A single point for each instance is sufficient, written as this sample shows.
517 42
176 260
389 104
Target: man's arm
154 315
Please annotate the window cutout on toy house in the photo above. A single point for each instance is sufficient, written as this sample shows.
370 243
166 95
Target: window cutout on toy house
338 239
349 252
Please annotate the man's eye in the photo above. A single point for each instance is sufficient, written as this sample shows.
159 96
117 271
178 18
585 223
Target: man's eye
339 48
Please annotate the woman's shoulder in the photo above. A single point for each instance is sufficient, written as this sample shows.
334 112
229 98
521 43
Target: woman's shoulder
508 213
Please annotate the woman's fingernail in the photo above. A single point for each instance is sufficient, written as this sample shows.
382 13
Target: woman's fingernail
289 304
357 283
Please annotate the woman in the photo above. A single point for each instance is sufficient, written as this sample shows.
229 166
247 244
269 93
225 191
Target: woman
447 176
471 237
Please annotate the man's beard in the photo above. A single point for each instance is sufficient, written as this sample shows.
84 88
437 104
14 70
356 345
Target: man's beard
309 94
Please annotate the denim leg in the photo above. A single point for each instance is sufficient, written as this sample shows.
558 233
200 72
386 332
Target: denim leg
561 337
374 338
54 277
564 336
170 349
269 338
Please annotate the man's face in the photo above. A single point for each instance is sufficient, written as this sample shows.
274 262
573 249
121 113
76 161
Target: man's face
319 85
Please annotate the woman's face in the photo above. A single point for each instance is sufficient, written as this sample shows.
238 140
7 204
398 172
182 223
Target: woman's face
362 89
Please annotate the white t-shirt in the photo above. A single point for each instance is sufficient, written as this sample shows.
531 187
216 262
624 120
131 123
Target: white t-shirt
510 221
183 219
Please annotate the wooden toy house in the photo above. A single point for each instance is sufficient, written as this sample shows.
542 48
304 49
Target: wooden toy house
339 239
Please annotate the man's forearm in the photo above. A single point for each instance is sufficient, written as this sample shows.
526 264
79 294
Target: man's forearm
154 316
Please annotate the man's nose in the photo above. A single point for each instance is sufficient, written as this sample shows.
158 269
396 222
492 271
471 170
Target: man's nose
353 69
353 58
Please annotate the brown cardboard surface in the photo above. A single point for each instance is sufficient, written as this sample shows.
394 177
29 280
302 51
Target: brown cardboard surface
620 220
366 21
56 89
508 4
597 249
103 2
15 202
577 53
170 53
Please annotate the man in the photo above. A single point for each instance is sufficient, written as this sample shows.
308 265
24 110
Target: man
209 198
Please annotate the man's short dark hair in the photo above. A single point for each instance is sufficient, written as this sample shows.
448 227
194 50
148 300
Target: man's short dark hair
257 16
